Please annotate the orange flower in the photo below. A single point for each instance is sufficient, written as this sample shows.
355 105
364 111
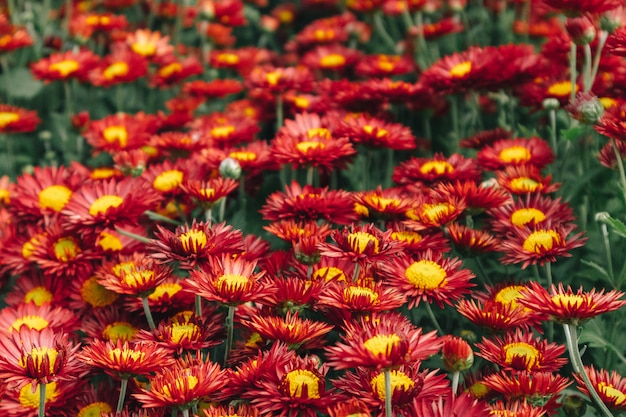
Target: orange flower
17 120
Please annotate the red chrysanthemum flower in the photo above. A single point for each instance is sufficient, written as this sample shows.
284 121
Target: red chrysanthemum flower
383 65
559 87
381 342
539 244
207 193
167 296
414 243
38 318
579 7
453 405
137 274
393 91
434 212
183 333
226 129
485 138
521 408
324 31
25 402
532 386
148 44
477 197
521 351
430 277
438 168
387 204
278 80
472 241
611 387
37 289
374 132
513 152
17 120
333 57
497 316
611 124
120 131
65 66
290 230
459 72
13 37
566 306
111 324
230 411
351 408
242 59
121 66
178 144
217 88
525 179
62 254
172 71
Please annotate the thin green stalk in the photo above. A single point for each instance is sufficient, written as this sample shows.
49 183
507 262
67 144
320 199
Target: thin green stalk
42 400
186 412
553 142
454 115
178 23
120 400
390 167
388 394
379 26
4 64
148 313
482 270
309 175
607 249
10 157
222 209
279 112
242 192
230 330
587 82
198 305
571 338
156 216
208 215
119 97
572 69
429 310
620 168
131 235
455 381
596 59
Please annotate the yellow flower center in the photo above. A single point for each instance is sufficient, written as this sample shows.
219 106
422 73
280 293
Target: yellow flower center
300 378
28 248
320 132
301 102
5 196
509 295
524 216
170 69
329 273
32 322
383 203
117 69
95 294
243 156
144 48
272 78
181 384
102 204
119 330
66 249
38 354
232 282
438 167
380 132
226 58
117 134
109 242
432 212
382 344
406 236
568 300
324 35
207 193
332 61
8 117
609 391
168 288
515 154
29 399
541 241
193 240
54 197
38 296
126 355
386 66
64 68
399 381
426 275
359 242
561 89
478 390
527 352
608 102
102 173
222 131
168 180
94 410
461 70
306 146
138 277
524 185
351 293
182 331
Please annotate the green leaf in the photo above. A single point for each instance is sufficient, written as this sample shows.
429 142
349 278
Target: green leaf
27 86
598 268
617 225
573 132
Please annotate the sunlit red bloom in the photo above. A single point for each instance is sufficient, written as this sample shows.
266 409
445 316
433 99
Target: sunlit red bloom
452 405
512 152
290 230
310 203
381 342
278 80
584 6
324 31
363 244
207 193
121 66
62 254
123 359
533 386
611 387
151 45
167 296
13 37
434 212
472 241
517 408
371 131
331 58
24 402
408 384
539 244
212 89
172 71
485 138
535 92
436 169
459 72
38 357
111 324
568 306
351 408
241 59
525 179
611 124
535 209
477 197
137 274
17 120
522 351
120 131
382 65
430 277
183 384
38 318
85 24
65 66
496 316
414 242
185 333
226 129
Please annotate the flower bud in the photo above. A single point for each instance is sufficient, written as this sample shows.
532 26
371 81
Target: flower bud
586 108
230 168
550 103
581 30
457 354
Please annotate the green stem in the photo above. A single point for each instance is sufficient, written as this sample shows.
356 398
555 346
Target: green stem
596 59
553 142
279 112
198 304
572 70
230 330
587 82
571 338
242 193
4 64
120 400
620 168
388 394
119 97
10 158
454 115
131 235
178 23
148 313
156 216
309 175
207 216
222 209
482 270
429 310
42 400
379 25
455 381
186 412
390 167
607 249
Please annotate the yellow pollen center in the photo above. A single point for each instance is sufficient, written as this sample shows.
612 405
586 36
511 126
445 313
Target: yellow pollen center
407 237
399 381
509 295
243 156
272 78
297 379
226 58
29 399
382 344
109 242
32 322
305 147
461 70
193 240
426 275
181 385
359 242
117 69
144 48
329 273
320 132
382 203
5 196
168 180
433 212
301 102
38 354
170 69
524 185
527 352
608 390
119 330
222 132
515 154
352 293
7 117
169 289
28 248
541 241
94 410
102 204
608 102
117 134
66 249
380 132
232 282
38 296
126 355
568 300
183 331
478 390
138 277
54 197
524 216
64 68
324 35
332 61
436 167
561 89
95 294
